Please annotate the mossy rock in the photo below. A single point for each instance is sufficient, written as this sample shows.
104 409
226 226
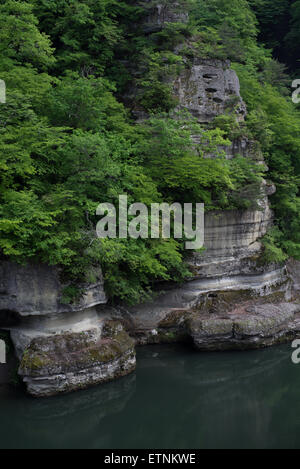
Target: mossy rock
174 319
71 352
210 327
263 325
220 302
171 336
111 328
34 361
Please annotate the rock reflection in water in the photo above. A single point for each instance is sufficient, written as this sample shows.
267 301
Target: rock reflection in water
73 420
228 400
177 399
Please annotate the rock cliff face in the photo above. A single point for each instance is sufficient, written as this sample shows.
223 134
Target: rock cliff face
230 274
209 88
36 289
293 268
60 347
232 242
232 300
160 13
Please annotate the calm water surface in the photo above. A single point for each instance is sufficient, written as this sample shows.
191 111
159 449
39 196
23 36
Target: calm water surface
178 398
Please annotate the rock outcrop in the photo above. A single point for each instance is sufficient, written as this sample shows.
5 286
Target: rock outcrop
61 347
293 268
36 289
66 362
233 300
232 244
164 319
246 327
209 88
231 271
157 15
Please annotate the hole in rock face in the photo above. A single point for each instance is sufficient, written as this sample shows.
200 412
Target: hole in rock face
9 318
211 90
212 295
210 76
218 100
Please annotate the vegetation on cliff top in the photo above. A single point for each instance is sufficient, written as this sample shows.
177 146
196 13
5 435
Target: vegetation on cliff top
68 139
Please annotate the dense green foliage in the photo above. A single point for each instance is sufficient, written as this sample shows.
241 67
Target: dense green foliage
279 28
77 73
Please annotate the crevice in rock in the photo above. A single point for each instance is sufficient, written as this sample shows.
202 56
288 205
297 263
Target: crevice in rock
218 100
210 76
9 318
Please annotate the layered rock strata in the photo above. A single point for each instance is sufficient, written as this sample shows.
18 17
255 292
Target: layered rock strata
36 289
61 347
66 362
233 300
246 327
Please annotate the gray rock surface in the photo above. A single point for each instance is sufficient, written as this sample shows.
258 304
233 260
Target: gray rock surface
246 327
209 88
35 290
232 242
225 232
233 301
191 293
161 13
293 268
68 362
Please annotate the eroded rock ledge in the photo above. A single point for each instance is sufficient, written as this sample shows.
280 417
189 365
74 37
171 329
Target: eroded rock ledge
246 327
36 289
72 350
232 302
62 363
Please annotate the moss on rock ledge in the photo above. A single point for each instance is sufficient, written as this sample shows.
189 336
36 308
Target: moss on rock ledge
71 361
247 327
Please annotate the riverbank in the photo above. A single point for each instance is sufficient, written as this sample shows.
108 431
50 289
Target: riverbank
57 364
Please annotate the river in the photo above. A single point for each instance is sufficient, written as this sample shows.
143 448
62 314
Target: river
177 398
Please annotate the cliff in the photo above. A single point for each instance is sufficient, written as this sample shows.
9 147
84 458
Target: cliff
233 300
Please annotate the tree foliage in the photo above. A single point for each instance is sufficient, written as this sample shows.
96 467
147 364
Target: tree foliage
74 72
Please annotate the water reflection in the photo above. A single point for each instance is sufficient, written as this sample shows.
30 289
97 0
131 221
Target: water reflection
177 399
72 420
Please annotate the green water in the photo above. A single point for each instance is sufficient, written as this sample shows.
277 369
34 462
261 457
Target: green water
178 398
